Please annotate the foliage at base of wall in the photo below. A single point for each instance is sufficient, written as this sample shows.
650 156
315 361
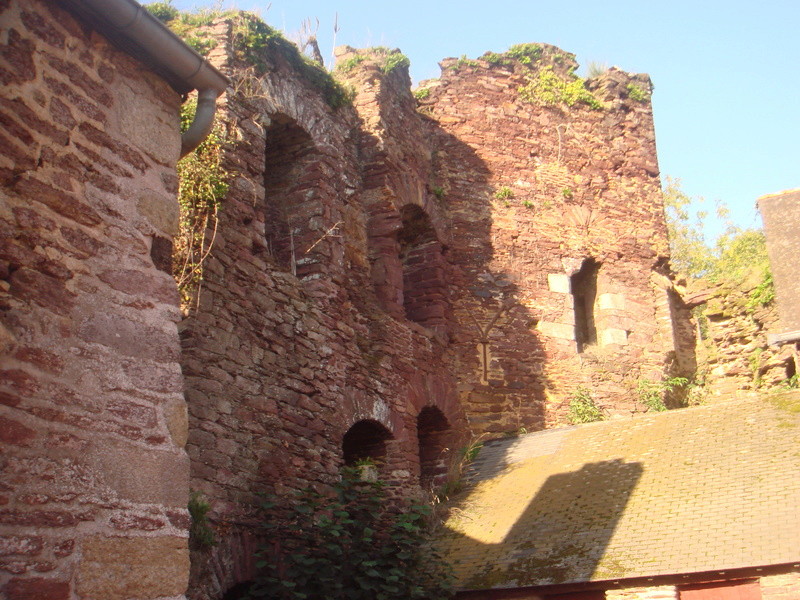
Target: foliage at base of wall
583 408
203 183
201 535
349 543
655 395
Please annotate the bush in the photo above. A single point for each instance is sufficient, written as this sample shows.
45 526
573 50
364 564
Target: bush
350 543
583 409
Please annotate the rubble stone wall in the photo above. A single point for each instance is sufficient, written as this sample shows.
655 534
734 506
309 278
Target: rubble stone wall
279 366
385 280
534 193
95 478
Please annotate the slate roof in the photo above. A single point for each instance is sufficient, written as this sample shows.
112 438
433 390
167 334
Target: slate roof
692 490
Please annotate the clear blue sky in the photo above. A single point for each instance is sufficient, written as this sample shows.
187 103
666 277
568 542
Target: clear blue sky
727 87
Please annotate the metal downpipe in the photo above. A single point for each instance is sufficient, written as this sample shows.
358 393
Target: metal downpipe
129 19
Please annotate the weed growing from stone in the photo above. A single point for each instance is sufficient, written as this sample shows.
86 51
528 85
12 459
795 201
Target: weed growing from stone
422 93
351 63
583 409
395 60
548 88
201 536
653 393
527 54
637 93
504 193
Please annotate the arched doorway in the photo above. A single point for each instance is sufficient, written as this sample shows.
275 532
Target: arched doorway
366 439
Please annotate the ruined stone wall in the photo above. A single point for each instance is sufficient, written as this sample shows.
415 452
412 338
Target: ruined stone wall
540 196
734 359
94 479
279 367
781 214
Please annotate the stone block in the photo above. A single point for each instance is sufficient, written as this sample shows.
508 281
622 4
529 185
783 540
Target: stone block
610 336
137 473
160 210
609 301
559 282
117 568
556 330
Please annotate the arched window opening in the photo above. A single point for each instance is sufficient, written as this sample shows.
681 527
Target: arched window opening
421 255
432 433
584 294
291 172
365 440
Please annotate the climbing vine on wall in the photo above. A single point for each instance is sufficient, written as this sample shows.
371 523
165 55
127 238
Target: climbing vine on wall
203 183
348 544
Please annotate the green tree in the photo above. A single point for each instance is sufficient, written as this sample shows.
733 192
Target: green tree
738 255
690 254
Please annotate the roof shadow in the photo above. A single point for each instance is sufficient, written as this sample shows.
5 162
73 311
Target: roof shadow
559 536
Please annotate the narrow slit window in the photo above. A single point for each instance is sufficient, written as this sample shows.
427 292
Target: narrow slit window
584 294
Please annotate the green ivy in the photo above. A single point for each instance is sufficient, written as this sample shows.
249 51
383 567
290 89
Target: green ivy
202 184
549 89
763 294
349 544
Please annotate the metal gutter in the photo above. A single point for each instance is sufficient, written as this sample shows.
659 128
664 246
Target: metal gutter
129 26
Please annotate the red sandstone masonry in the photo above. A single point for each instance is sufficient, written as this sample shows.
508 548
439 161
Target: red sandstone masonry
584 184
278 368
90 389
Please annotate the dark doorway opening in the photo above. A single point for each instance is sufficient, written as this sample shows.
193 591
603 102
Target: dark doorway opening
432 433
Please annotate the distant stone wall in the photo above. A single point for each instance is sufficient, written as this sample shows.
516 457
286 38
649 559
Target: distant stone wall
734 359
558 237
781 215
94 479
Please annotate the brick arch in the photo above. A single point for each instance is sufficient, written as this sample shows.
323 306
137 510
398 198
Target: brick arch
409 269
366 438
221 570
437 428
421 255
293 170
